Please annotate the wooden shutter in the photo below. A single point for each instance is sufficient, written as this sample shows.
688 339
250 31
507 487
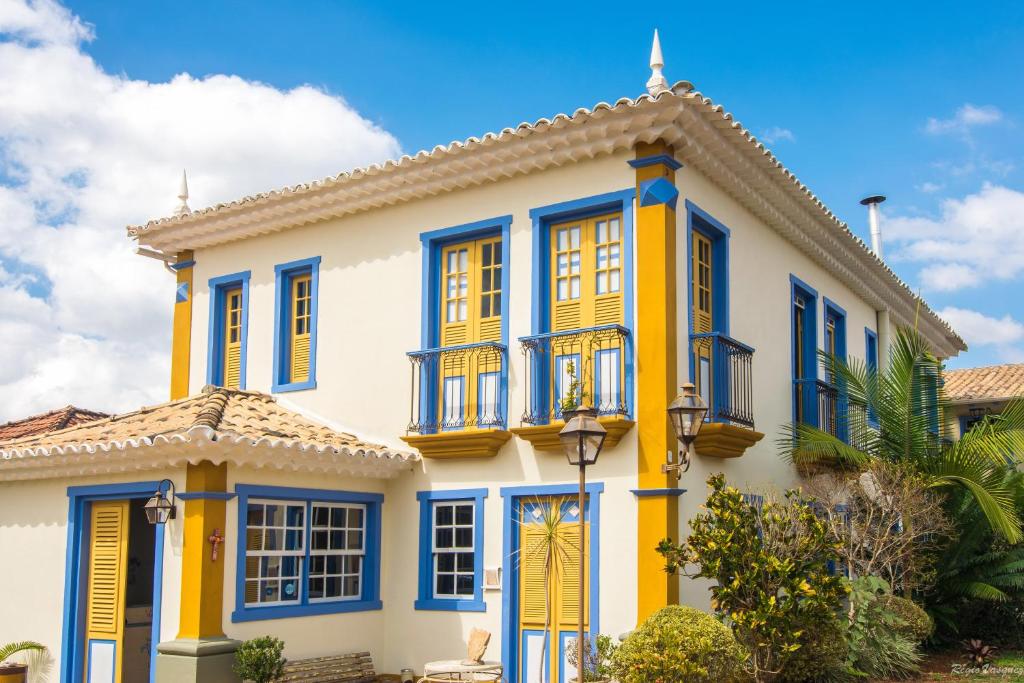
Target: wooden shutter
456 294
301 318
607 262
532 586
569 574
232 338
567 275
108 562
701 272
487 281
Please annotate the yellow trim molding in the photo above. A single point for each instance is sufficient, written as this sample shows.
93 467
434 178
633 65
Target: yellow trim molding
472 443
723 440
545 437
181 341
202 579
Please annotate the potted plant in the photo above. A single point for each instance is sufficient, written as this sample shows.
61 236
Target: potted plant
597 660
15 672
259 660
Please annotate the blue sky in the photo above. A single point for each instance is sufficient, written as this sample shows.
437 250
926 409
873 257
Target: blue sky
920 101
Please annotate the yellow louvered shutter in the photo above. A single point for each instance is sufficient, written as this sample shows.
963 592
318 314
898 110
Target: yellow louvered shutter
233 338
532 586
302 299
108 560
567 276
488 289
702 312
607 264
457 287
569 575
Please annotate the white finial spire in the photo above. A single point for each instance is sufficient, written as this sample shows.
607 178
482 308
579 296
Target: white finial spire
656 83
183 197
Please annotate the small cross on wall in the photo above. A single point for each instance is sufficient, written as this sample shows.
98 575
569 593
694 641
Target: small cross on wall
216 538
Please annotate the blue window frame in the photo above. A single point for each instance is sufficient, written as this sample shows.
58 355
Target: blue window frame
319 553
804 350
871 360
219 286
451 550
835 343
284 274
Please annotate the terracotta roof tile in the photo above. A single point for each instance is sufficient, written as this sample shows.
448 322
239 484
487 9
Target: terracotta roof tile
52 421
991 382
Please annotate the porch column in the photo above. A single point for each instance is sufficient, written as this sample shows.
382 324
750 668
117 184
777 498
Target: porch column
181 341
656 376
201 652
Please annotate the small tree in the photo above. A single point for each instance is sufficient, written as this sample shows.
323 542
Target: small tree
260 660
771 568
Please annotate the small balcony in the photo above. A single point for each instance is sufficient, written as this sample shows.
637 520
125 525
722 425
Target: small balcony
458 407
722 369
595 364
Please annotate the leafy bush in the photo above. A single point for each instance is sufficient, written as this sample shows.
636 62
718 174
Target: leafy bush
260 660
822 654
879 646
597 664
999 623
677 644
915 622
770 567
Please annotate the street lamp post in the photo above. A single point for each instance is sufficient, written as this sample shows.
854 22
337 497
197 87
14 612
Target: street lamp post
582 437
686 413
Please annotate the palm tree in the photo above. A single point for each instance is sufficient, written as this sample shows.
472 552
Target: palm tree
11 649
903 401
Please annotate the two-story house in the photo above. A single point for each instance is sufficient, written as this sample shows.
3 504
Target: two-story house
443 305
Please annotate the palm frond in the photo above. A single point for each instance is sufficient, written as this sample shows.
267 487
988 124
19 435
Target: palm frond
11 649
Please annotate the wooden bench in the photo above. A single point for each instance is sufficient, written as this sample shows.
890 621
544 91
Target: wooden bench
354 668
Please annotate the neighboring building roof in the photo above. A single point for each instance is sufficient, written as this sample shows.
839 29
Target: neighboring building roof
703 134
244 427
52 421
989 383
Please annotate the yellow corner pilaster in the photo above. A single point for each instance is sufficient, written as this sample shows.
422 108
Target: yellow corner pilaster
202 578
656 373
181 343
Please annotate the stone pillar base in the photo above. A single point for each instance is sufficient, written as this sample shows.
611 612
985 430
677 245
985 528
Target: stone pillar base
206 660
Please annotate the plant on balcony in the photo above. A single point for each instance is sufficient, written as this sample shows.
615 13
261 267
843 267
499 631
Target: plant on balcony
575 394
770 565
904 399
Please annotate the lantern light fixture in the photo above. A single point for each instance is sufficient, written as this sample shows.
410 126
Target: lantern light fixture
159 509
583 437
686 412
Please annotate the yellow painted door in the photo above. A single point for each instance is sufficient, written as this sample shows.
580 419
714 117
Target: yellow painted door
302 298
702 314
470 313
587 282
232 338
549 594
108 560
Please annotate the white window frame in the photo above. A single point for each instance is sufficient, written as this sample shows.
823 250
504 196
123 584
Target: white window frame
361 553
300 553
454 550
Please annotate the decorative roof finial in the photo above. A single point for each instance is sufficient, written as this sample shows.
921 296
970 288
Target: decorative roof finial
656 83
183 197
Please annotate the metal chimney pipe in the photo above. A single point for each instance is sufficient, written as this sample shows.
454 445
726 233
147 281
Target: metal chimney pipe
872 203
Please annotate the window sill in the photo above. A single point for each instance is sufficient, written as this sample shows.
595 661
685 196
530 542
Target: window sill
725 440
470 443
441 605
293 386
545 437
310 610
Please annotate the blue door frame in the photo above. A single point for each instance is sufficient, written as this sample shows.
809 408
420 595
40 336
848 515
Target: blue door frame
513 497
80 499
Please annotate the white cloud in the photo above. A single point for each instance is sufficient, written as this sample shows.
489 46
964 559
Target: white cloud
82 154
929 187
974 240
776 134
1003 334
966 117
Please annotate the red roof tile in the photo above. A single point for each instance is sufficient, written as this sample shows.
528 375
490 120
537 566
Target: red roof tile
53 421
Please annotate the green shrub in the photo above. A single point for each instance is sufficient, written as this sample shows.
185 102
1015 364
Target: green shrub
916 624
879 646
822 654
260 660
770 568
597 664
678 644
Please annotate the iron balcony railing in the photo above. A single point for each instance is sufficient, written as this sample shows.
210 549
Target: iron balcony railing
599 360
723 373
459 387
827 407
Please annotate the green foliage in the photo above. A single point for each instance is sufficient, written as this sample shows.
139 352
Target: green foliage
574 393
260 660
11 649
597 662
902 399
770 565
978 653
916 625
678 644
879 646
822 654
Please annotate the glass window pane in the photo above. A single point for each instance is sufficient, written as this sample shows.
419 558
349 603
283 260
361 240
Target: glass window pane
602 283
497 252
274 515
290 590
574 262
485 280
350 586
465 562
464 514
296 515
462 309
563 240
613 230
465 585
444 538
254 515
321 516
486 255
602 232
450 316
563 264
337 540
332 587
355 518
445 584
338 516
446 562
614 252
496 301
602 258
319 540
316 588
452 263
271 539
615 284
443 515
575 237
463 260
464 537
574 287
355 540
269 591
563 290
